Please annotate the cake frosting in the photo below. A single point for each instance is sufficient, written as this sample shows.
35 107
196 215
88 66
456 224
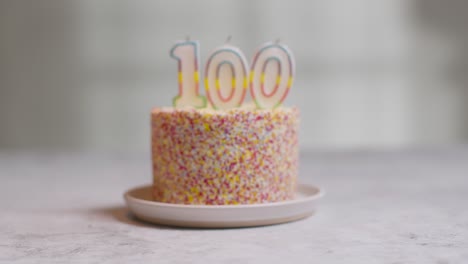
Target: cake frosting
238 156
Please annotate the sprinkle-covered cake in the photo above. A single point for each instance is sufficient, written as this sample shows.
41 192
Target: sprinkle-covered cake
216 150
236 156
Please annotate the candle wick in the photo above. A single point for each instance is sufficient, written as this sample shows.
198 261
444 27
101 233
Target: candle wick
228 39
187 38
277 40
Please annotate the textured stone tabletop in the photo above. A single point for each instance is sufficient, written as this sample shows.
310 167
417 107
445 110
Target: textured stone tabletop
380 207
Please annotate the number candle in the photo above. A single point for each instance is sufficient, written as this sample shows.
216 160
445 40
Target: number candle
226 77
187 54
272 67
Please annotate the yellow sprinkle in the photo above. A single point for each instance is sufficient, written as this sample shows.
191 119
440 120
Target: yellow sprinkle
207 127
237 179
171 168
248 154
190 198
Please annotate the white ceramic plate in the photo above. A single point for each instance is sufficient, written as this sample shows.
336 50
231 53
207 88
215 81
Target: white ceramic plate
141 204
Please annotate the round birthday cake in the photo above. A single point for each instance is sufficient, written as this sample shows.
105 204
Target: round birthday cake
236 156
216 150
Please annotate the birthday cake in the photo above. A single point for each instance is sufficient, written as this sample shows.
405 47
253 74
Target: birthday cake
218 150
238 156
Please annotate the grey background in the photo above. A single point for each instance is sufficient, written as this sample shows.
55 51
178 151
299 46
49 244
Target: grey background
83 75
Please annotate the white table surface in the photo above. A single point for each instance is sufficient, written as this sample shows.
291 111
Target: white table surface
380 207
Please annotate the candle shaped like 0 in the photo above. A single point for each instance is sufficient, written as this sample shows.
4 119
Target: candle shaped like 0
273 66
187 53
226 72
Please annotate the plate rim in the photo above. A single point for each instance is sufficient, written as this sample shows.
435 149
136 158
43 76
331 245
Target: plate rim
129 197
207 224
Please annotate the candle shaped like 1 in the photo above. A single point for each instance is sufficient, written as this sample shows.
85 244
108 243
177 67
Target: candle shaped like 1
226 77
187 53
273 67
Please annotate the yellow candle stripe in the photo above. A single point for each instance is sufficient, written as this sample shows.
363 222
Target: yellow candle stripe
233 82
245 83
252 76
196 76
262 78
278 80
207 87
180 77
290 80
217 84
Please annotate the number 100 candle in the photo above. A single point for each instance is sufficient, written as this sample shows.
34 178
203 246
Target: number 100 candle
218 150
